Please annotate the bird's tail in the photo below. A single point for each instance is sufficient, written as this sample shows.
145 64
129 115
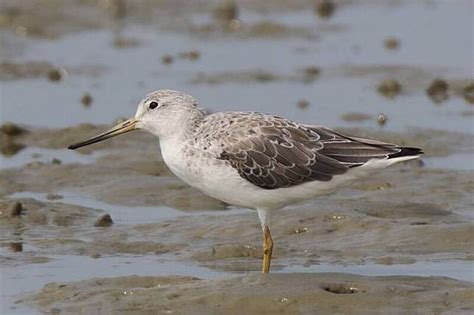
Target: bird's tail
406 152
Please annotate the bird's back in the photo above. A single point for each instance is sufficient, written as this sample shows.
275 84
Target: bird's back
272 152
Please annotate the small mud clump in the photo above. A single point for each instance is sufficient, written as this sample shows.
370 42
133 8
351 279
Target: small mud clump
167 59
55 75
302 104
104 221
10 148
438 90
14 71
86 100
392 43
15 246
226 12
10 129
15 209
311 73
468 93
325 8
389 88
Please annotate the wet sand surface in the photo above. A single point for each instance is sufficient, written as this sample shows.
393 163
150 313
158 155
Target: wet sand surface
397 242
310 294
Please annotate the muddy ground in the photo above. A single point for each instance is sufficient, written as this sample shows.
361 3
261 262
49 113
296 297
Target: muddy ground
370 223
109 229
253 294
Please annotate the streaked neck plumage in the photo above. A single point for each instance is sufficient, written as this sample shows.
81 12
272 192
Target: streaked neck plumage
182 128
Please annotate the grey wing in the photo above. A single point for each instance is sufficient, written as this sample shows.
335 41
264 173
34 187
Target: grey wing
282 156
352 151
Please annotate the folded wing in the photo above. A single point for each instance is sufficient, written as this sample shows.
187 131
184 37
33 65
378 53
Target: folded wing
286 154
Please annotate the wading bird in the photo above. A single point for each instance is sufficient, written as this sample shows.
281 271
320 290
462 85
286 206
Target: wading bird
251 159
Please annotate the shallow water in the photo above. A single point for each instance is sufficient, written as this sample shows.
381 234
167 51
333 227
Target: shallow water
120 77
42 155
126 215
457 161
64 268
456 269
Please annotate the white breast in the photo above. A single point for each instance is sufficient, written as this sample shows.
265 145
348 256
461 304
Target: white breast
208 174
184 167
221 181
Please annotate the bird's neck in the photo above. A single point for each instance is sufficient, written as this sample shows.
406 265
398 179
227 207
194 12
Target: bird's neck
184 128
193 122
174 146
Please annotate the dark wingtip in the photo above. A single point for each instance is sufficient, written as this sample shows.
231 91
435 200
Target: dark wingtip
407 151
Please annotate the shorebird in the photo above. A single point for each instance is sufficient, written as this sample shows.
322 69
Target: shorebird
254 160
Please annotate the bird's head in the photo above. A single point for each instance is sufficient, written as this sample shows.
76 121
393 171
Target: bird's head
163 113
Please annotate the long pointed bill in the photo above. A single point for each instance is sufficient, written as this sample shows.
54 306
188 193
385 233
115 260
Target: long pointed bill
118 129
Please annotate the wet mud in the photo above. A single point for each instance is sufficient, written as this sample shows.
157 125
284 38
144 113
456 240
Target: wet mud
369 222
254 294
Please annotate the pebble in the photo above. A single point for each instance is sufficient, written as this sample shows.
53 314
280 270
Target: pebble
104 221
468 93
11 129
438 90
382 119
55 75
15 209
325 8
311 73
392 43
303 104
389 88
167 59
10 148
16 246
226 11
86 100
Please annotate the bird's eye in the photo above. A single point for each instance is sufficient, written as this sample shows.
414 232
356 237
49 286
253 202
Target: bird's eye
153 105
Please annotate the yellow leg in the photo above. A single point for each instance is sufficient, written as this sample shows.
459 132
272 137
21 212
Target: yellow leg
267 249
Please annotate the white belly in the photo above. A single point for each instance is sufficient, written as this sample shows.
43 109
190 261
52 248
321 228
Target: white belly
221 181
